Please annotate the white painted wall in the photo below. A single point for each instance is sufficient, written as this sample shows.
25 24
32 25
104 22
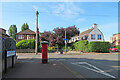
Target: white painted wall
95 31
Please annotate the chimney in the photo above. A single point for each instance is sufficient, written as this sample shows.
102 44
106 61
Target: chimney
94 25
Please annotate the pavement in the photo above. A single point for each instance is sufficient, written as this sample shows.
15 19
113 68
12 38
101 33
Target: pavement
67 66
33 68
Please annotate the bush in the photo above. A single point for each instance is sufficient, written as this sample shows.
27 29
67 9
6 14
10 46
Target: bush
81 45
40 48
97 46
50 48
118 47
26 44
68 48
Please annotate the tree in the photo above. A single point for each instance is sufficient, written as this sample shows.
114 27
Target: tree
60 34
24 27
56 38
12 31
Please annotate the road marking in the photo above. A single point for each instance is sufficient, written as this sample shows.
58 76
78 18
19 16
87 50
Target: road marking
70 69
98 70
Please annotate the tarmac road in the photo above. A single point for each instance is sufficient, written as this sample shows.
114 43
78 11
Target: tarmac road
92 65
91 68
86 66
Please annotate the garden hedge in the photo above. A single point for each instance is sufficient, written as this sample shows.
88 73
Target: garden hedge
94 46
118 47
97 46
26 44
81 45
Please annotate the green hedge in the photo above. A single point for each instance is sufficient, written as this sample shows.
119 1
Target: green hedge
118 47
97 46
26 44
81 45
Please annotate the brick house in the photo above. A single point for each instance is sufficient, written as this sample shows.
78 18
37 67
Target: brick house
115 40
92 34
26 34
3 33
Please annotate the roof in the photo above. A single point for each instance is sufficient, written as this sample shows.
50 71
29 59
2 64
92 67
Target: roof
86 33
2 29
116 34
28 31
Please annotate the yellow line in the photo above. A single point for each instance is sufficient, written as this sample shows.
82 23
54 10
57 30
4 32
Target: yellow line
72 71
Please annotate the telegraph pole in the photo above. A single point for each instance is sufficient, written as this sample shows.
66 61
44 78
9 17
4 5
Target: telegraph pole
36 47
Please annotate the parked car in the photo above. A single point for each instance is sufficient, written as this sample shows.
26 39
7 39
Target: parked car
112 49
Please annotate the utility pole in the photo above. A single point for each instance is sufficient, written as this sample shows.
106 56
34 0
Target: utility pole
65 41
36 47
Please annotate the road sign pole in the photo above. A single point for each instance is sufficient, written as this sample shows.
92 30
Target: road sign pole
65 41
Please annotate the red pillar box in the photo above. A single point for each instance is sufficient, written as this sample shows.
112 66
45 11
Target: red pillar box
44 52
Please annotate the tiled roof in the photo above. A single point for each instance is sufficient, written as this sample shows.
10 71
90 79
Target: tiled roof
85 33
28 31
2 29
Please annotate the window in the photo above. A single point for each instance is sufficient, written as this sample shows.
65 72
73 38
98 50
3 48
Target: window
27 36
84 38
21 36
115 38
99 37
78 38
18 36
33 36
93 36
30 37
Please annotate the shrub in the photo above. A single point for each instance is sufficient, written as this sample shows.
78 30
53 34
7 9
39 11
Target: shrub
26 44
40 48
97 46
118 47
50 48
81 45
68 48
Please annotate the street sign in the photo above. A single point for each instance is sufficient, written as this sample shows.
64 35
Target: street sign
10 53
65 39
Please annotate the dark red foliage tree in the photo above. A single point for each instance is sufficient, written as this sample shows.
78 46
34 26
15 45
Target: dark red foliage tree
57 37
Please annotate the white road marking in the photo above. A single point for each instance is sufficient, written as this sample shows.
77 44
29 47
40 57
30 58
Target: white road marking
98 70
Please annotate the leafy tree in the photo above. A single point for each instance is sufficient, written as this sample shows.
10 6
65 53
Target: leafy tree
24 27
12 31
60 34
56 38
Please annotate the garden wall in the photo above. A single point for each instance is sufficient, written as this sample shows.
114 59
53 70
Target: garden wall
25 50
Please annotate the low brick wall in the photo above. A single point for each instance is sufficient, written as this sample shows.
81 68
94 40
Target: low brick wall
25 50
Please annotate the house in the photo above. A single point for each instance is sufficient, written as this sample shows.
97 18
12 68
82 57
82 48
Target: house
115 40
74 39
26 34
93 34
3 33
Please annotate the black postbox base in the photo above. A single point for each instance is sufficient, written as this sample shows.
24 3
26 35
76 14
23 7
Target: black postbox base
44 60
